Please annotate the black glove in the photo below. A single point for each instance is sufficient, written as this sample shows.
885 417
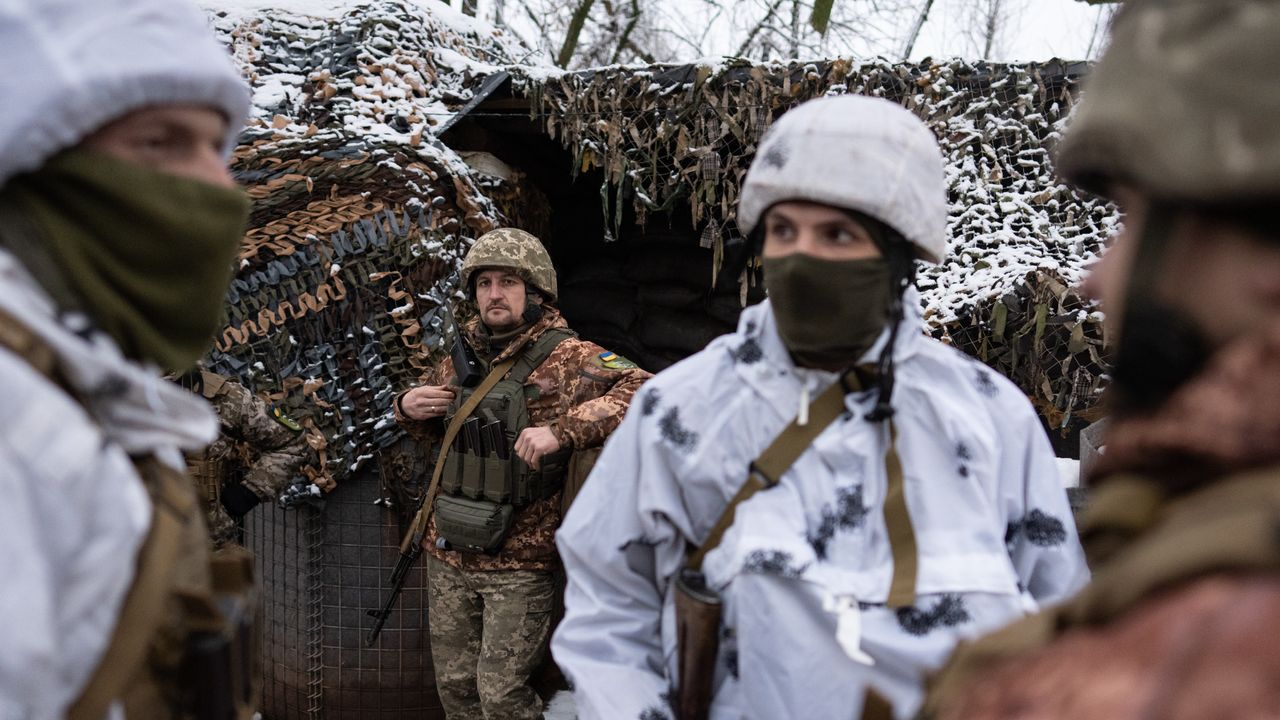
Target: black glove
238 500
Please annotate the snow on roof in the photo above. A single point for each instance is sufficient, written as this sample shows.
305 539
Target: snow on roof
387 68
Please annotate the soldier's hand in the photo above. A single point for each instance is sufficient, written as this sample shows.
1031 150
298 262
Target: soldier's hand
533 443
426 402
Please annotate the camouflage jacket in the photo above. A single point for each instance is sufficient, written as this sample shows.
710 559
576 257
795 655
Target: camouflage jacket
262 449
1185 600
581 397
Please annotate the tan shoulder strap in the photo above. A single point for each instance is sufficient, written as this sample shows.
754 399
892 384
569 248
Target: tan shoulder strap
143 610
17 337
419 526
766 470
211 383
782 453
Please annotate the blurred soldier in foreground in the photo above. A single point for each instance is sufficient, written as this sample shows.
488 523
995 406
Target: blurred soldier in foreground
1183 530
537 396
119 223
257 454
907 495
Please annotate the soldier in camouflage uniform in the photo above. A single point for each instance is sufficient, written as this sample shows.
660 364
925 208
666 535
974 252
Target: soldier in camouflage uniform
491 613
1179 127
257 453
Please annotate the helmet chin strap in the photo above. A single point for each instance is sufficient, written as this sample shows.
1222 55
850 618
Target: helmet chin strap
532 307
1160 347
902 270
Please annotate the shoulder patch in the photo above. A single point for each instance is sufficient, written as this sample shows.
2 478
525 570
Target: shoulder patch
614 361
278 415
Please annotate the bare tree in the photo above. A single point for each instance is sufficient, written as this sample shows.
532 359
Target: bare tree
916 28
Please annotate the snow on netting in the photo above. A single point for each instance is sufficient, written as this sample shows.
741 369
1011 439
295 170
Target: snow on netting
671 138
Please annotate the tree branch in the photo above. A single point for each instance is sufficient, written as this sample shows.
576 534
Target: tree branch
571 35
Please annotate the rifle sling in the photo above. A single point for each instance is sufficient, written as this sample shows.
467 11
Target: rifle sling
766 470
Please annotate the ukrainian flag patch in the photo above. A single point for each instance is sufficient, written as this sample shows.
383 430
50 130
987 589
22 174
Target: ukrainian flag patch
613 361
278 415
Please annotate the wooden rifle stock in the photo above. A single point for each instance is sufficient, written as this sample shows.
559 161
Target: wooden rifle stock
697 642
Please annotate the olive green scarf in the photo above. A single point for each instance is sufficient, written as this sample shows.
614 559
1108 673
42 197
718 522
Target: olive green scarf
829 312
147 255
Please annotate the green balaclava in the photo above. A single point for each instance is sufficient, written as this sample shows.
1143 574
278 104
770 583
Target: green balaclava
146 254
830 312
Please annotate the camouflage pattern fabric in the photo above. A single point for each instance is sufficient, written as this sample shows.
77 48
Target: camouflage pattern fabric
257 446
514 250
581 392
489 634
1181 533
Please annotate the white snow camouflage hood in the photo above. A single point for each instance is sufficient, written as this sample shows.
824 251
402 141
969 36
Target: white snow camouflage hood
71 66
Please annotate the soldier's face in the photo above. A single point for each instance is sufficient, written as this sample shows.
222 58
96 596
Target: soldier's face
500 296
819 230
181 140
1219 276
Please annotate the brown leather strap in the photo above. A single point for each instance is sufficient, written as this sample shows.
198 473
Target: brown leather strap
419 526
902 536
143 610
782 453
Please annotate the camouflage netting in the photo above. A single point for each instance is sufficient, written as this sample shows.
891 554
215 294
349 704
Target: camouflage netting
680 139
358 212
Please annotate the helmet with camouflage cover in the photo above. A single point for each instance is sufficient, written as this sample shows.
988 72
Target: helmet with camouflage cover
512 249
1181 106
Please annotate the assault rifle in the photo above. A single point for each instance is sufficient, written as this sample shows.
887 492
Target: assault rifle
470 372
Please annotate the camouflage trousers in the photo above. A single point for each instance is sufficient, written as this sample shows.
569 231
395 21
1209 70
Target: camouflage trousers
489 632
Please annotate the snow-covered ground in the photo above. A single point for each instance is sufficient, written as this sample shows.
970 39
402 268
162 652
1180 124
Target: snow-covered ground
561 707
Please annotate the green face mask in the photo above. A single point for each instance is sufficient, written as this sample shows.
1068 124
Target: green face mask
829 312
146 254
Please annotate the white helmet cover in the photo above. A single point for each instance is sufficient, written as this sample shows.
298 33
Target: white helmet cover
72 66
856 153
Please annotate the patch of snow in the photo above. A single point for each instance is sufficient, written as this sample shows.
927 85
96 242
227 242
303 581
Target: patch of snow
1069 472
561 707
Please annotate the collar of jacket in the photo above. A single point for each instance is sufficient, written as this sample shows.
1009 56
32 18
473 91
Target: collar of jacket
551 318
135 407
775 376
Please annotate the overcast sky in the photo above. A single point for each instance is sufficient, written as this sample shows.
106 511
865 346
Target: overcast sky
1039 30
1035 30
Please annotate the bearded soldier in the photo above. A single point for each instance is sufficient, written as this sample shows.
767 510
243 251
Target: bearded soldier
546 395
1178 127
257 454
119 225
849 496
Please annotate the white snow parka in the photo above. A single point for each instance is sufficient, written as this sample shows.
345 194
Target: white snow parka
809 557
73 510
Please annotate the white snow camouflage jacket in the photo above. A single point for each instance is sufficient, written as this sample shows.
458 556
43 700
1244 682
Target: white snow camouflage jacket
994 528
73 511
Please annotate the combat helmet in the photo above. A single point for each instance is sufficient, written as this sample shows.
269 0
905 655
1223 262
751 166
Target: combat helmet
512 249
1182 105
859 153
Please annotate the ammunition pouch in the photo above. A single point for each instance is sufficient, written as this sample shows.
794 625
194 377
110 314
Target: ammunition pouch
468 525
498 480
483 481
209 475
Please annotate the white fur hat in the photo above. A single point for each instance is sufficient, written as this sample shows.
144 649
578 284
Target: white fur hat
72 66
858 153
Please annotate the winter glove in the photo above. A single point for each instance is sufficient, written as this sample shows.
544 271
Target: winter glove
238 500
